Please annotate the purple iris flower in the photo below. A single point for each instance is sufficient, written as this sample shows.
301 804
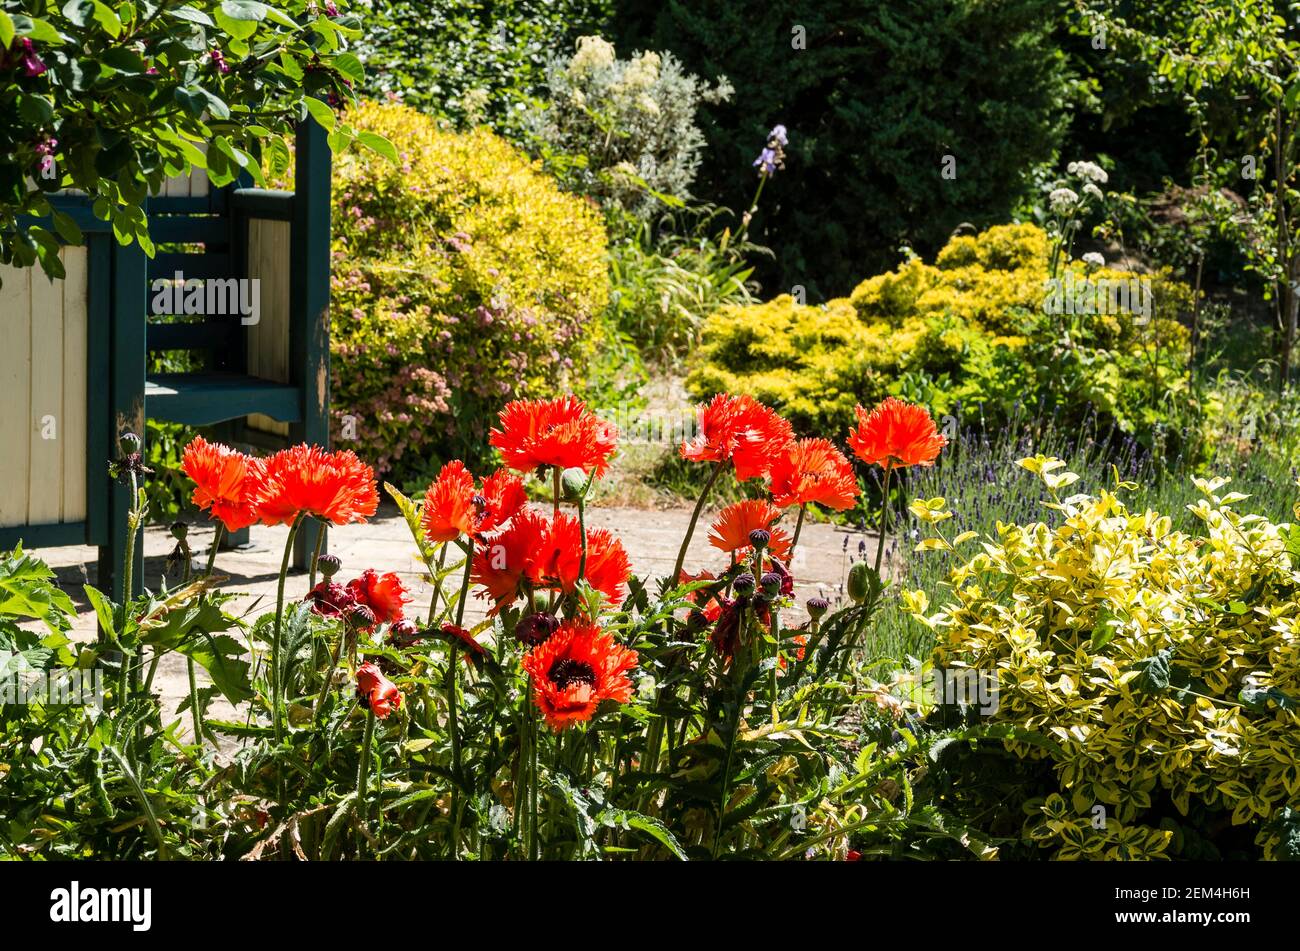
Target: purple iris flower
766 163
779 136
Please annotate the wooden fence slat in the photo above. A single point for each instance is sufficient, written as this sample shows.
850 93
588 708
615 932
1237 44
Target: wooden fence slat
15 383
45 484
74 432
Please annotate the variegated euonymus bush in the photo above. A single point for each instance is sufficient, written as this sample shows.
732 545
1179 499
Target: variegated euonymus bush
1164 667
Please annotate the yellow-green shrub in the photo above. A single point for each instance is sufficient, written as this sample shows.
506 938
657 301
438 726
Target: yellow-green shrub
960 330
463 277
1165 668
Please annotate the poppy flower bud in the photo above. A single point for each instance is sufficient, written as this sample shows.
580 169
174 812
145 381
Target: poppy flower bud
535 629
403 633
859 582
329 565
179 531
817 608
744 584
129 443
759 538
360 616
696 621
771 583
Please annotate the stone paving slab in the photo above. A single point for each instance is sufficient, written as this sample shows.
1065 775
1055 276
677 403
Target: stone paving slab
652 539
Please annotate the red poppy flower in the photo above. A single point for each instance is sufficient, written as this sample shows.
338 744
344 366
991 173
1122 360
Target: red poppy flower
896 434
377 692
465 641
730 530
575 670
334 486
500 563
383 594
710 607
227 483
452 506
560 432
813 470
449 504
330 599
503 496
800 646
740 430
558 557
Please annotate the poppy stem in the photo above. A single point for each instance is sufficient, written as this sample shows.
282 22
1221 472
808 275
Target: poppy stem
798 527
884 519
437 582
217 535
321 526
452 728
363 779
276 715
695 517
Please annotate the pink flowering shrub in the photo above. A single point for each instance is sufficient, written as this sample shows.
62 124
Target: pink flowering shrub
462 278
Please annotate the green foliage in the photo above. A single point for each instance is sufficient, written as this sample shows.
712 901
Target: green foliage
463 277
965 336
874 99
119 98
469 60
1166 673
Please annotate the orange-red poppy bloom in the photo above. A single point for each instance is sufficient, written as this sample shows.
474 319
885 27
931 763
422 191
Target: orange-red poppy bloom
306 480
575 670
560 432
558 558
896 434
227 483
383 594
730 530
453 507
739 430
449 504
377 692
500 563
813 470
502 497
711 608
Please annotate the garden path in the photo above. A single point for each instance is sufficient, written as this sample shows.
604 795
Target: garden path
651 538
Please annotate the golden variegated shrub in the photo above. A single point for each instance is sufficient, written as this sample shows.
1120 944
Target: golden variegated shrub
1164 666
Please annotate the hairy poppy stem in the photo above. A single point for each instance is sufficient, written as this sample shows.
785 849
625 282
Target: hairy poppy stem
363 779
321 527
695 517
276 715
798 527
884 519
452 728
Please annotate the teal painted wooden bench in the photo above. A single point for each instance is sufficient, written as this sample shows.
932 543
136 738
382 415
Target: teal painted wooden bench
265 384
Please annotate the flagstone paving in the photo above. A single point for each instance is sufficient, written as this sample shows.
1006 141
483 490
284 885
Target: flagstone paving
651 538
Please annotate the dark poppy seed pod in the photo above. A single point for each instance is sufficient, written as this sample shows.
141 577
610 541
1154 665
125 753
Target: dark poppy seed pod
771 582
817 608
759 538
696 621
744 584
179 531
328 565
535 629
129 443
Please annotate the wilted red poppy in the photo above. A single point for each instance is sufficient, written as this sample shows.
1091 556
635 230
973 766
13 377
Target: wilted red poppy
383 594
896 434
708 605
813 470
227 483
575 670
730 530
377 692
334 486
560 432
330 599
465 641
739 430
